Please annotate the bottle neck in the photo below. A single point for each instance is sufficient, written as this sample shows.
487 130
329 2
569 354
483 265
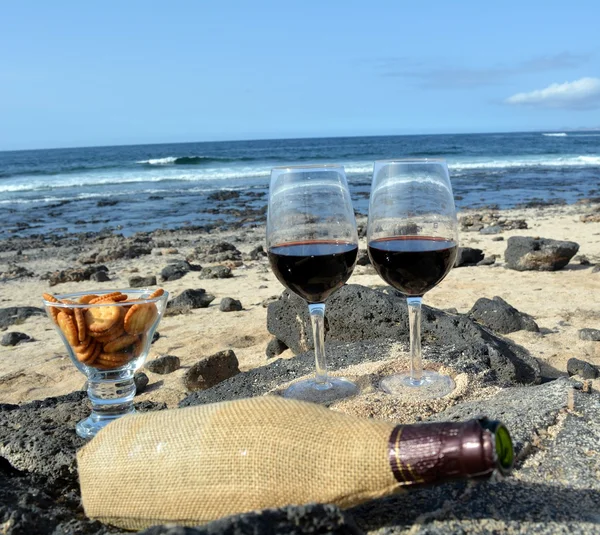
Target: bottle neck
435 452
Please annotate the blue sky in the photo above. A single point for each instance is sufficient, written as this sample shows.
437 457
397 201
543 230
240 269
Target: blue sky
102 73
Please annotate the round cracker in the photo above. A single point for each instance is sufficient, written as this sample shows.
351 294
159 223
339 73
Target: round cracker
120 343
139 318
67 326
109 361
80 322
53 310
156 293
85 299
85 355
101 319
51 298
113 297
93 357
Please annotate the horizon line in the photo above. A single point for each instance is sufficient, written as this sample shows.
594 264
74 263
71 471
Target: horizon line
550 130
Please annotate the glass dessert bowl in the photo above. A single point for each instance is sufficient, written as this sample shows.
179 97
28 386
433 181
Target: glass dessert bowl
107 334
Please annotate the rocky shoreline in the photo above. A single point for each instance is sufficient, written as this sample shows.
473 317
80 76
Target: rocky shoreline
511 324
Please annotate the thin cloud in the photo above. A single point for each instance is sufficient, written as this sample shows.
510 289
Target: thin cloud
582 94
448 77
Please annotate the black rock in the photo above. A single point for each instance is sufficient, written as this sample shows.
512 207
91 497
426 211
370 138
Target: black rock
493 229
74 274
164 365
538 254
13 338
592 335
211 370
155 337
217 252
216 272
274 348
191 298
487 261
15 272
16 315
39 437
582 368
498 238
106 202
142 282
99 276
501 317
596 268
175 271
141 382
358 313
228 304
467 256
363 258
117 248
311 519
223 195
257 253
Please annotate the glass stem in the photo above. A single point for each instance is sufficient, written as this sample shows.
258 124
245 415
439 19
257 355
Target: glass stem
414 323
111 394
317 318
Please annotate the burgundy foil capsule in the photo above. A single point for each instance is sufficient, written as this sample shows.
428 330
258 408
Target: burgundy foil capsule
434 452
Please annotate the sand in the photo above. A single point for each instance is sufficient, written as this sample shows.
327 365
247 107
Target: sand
561 302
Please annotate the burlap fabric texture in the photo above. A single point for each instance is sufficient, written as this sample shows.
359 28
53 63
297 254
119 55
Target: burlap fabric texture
193 465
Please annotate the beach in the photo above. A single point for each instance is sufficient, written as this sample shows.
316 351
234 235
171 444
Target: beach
561 302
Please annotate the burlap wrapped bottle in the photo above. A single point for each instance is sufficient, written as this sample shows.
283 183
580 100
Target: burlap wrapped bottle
193 465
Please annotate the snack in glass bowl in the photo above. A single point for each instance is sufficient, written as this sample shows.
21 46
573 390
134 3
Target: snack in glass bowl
107 334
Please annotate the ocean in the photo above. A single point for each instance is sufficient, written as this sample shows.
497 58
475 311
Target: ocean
128 189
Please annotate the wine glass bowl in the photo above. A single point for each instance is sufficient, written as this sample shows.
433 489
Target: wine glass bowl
312 245
412 241
107 335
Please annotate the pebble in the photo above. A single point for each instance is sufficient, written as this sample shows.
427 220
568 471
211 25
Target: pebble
211 370
228 304
164 365
141 382
275 347
582 368
142 282
592 335
14 338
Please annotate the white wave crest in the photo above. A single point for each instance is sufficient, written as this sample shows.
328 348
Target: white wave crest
556 134
159 161
567 161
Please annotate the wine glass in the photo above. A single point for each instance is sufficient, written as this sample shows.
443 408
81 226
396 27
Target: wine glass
412 239
312 246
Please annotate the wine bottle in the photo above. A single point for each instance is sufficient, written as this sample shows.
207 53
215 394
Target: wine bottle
197 464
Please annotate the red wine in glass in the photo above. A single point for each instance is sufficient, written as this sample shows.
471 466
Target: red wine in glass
313 269
312 245
412 238
412 264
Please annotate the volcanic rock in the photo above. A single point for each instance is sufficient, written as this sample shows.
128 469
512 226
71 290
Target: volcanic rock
13 338
468 256
358 313
538 254
16 315
211 370
501 317
228 304
164 365
191 298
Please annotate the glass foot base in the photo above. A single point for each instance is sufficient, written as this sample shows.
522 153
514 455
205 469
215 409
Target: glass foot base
432 385
90 426
309 390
